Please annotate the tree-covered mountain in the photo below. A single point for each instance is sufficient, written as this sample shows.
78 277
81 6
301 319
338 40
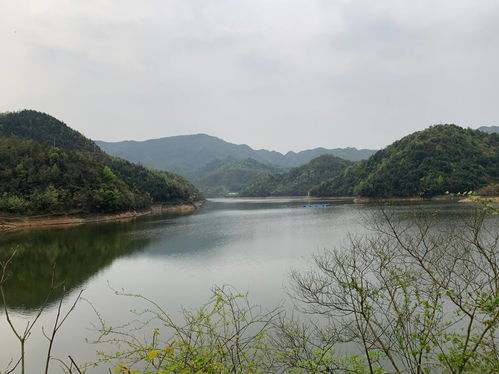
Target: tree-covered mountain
426 163
299 180
489 129
220 177
74 176
41 127
186 154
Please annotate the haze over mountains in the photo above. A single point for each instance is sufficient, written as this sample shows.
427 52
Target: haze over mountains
187 153
489 129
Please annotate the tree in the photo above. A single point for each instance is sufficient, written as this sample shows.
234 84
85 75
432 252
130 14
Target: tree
413 297
226 335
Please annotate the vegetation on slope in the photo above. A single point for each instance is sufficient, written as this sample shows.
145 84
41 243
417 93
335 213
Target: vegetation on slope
426 163
39 178
162 186
74 176
41 127
297 181
220 177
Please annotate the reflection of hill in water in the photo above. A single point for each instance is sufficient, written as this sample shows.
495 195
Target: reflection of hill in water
78 253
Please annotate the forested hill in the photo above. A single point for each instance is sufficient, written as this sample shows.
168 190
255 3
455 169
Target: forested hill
221 177
41 127
186 154
297 181
74 176
426 163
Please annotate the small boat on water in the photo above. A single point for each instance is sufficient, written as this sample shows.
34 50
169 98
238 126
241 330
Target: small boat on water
316 205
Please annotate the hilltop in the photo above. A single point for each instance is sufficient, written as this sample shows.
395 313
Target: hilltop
426 163
187 154
50 168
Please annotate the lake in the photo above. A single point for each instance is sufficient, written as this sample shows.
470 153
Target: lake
173 260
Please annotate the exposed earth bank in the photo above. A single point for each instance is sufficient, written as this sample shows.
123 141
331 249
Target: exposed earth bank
22 223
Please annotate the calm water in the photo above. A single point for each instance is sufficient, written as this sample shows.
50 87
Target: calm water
251 245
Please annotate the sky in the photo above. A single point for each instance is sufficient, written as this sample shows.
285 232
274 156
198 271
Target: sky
274 74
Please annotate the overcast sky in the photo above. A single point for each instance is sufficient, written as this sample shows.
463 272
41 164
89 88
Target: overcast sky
275 74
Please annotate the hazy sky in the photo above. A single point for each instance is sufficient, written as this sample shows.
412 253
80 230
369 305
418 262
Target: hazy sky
275 74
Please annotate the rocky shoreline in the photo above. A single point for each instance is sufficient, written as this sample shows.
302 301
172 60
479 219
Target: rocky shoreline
28 223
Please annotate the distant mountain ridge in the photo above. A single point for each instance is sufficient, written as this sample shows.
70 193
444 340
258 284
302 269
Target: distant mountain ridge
186 153
489 129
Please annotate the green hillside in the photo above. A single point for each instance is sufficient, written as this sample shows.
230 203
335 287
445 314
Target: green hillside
426 163
74 176
297 181
162 186
220 177
41 127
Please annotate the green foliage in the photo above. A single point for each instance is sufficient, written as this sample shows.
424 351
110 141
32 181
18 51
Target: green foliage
38 178
220 177
30 124
426 163
162 186
297 181
226 335
75 176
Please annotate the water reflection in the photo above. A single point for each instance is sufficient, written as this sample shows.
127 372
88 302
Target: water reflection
224 233
69 255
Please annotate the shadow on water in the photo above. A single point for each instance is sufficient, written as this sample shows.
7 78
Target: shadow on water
72 255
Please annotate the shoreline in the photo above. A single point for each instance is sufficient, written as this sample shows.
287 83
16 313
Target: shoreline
374 200
289 197
363 200
355 199
28 223
473 200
